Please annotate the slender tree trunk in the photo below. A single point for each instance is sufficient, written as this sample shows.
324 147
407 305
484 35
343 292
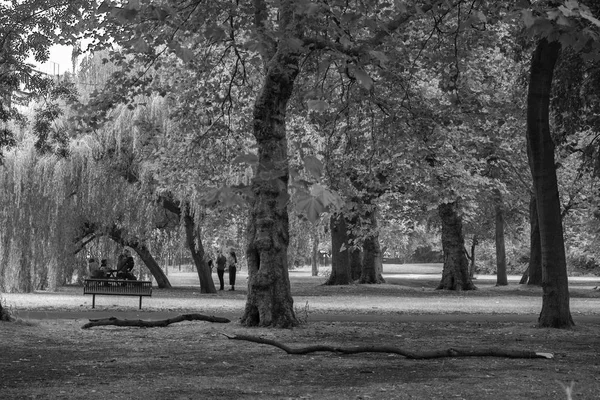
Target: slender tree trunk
25 279
473 266
340 266
194 243
144 253
269 301
455 275
372 257
534 271
314 259
555 301
501 278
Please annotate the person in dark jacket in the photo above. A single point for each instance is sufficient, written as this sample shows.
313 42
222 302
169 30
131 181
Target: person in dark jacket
232 263
125 265
221 263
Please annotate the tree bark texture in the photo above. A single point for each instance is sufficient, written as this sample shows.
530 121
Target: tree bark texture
501 278
144 253
408 353
540 148
194 243
355 253
355 256
269 301
340 265
372 257
455 275
534 271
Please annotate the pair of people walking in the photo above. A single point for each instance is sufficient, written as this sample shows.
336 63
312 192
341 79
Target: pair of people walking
229 261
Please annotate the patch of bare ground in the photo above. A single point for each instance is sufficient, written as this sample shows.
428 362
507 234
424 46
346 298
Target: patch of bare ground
56 359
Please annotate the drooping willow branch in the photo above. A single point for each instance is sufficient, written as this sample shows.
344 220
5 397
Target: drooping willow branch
413 355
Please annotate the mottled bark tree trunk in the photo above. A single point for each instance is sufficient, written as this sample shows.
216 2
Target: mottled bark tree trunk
194 243
269 301
340 266
455 275
501 278
372 257
540 149
355 253
355 256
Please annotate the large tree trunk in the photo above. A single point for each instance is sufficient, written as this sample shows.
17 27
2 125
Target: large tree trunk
340 266
501 278
269 301
555 301
455 275
144 253
372 256
194 243
534 271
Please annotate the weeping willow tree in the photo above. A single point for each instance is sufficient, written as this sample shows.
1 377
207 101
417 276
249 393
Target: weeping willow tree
115 181
46 202
110 185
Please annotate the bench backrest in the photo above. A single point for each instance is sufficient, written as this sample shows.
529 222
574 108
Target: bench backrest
117 286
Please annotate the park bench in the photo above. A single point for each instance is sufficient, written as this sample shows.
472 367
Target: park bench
117 287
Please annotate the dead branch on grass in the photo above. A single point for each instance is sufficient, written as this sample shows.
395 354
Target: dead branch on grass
414 355
153 324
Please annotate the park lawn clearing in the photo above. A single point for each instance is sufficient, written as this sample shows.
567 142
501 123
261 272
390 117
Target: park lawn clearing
55 358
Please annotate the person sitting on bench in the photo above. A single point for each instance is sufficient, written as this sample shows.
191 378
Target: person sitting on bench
95 271
125 265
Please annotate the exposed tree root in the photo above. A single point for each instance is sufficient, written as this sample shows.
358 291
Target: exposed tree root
154 324
414 355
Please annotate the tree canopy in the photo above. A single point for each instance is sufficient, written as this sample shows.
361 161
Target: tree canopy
183 116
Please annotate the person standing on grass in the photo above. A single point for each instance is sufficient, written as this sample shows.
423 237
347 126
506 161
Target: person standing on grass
232 263
221 263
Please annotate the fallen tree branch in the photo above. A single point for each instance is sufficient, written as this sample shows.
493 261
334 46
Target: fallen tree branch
154 324
414 355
